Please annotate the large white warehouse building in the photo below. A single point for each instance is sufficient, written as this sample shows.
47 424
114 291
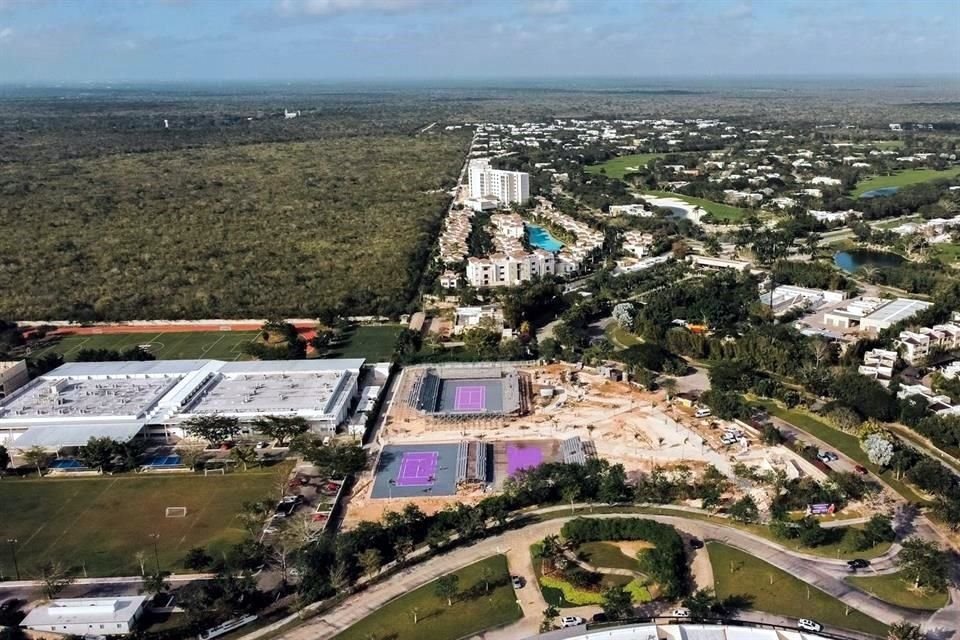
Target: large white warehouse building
123 400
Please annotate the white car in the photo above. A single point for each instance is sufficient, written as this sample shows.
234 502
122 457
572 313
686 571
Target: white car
680 613
571 621
809 625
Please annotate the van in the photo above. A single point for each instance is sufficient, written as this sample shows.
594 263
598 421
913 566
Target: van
809 625
703 412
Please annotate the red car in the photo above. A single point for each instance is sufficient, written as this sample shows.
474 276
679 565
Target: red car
860 469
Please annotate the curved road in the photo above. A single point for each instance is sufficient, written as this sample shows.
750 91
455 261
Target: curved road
824 573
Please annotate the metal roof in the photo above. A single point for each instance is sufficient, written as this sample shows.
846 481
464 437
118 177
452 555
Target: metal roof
76 435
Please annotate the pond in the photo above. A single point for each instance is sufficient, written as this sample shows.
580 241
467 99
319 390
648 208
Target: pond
880 193
855 259
540 238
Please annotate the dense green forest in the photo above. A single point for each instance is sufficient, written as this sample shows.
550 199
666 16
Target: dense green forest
284 229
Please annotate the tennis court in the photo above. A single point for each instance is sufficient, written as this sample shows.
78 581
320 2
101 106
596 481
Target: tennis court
416 470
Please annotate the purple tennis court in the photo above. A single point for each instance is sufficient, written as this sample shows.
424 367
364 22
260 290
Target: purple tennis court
417 469
522 457
471 398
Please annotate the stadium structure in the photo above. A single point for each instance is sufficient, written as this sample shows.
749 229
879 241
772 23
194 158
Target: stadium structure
680 629
124 400
465 392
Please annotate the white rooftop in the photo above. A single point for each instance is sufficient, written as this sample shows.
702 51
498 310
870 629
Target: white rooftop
897 310
85 611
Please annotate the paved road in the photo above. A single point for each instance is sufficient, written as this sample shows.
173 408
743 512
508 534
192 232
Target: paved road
823 573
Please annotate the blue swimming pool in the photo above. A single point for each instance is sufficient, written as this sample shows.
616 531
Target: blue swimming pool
164 461
540 238
66 463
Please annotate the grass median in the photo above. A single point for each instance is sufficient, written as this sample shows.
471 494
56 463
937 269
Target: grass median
892 588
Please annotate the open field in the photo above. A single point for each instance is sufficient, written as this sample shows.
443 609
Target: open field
848 444
244 231
219 345
718 210
473 610
620 337
622 165
894 589
101 523
375 343
946 252
903 178
737 573
608 554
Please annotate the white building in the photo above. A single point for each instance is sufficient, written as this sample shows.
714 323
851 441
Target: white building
630 210
510 225
489 316
509 269
878 364
506 186
834 216
916 345
873 314
710 262
87 617
125 400
787 296
13 375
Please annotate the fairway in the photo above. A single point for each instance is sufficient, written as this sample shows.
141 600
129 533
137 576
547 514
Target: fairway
619 167
737 573
474 609
173 345
99 524
903 178
717 210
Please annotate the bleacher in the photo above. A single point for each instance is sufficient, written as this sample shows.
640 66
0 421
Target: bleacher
573 452
480 464
429 392
463 451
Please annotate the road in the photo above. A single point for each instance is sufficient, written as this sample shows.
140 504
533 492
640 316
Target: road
823 573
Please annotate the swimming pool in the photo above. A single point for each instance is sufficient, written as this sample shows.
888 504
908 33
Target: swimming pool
540 238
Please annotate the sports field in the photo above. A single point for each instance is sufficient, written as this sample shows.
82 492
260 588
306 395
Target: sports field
173 345
903 178
373 342
621 166
101 523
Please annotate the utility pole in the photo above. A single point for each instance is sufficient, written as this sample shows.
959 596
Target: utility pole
13 552
156 553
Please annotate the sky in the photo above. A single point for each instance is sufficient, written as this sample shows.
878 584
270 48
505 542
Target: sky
77 41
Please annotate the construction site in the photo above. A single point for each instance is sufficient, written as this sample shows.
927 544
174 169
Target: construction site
570 413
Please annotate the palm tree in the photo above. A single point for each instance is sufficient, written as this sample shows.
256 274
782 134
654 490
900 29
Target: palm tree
155 583
868 273
141 558
243 454
38 457
904 631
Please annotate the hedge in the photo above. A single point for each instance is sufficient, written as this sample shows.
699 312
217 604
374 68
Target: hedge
570 593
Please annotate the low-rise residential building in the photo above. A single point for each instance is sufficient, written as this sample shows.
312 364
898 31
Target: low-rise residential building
711 262
834 216
631 210
489 316
878 364
915 346
506 270
87 617
449 279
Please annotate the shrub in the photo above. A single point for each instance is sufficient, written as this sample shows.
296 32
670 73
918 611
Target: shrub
638 591
570 593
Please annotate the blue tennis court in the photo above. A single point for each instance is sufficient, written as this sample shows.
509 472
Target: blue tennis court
164 461
66 464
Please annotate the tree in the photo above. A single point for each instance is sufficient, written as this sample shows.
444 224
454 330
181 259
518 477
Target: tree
570 494
213 429
4 459
281 428
154 583
772 436
447 587
243 454
487 575
54 579
879 448
408 343
197 559
669 386
371 561
904 630
700 603
339 576
923 563
617 603
744 510
404 547
333 461
549 616
38 457
623 313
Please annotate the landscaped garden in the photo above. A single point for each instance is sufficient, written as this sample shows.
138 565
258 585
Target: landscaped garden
481 597
622 165
772 590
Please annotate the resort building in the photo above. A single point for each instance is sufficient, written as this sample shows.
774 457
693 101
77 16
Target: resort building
506 186
13 375
878 364
709 262
126 400
785 297
489 316
509 269
873 314
917 345
87 617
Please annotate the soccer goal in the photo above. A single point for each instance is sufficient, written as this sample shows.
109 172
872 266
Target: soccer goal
216 471
176 512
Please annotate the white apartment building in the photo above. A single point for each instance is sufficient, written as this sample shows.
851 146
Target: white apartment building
510 225
506 186
878 364
509 269
916 345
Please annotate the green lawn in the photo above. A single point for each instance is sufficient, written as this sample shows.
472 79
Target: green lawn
619 167
606 554
894 589
373 342
620 337
719 211
101 523
737 573
903 178
946 252
174 345
472 612
844 442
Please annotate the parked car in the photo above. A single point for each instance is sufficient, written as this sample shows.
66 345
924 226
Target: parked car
681 612
571 621
600 617
862 470
703 412
827 456
518 582
809 625
696 543
858 563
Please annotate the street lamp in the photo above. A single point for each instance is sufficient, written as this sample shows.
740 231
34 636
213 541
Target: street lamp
391 483
13 552
156 553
